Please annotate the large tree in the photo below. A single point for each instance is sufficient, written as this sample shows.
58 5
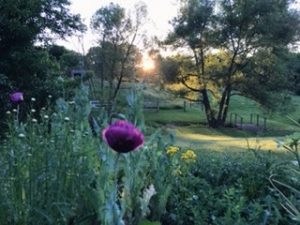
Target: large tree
26 23
23 26
246 37
114 57
22 23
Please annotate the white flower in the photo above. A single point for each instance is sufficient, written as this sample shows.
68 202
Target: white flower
8 112
34 120
21 135
67 119
43 108
60 79
33 110
71 102
147 195
49 96
46 117
294 162
149 192
33 99
15 110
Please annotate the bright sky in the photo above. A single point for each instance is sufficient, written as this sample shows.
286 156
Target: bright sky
160 12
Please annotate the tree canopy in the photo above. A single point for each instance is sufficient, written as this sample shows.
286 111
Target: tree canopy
245 37
25 22
25 28
116 54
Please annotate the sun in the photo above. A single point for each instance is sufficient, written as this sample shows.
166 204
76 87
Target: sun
148 63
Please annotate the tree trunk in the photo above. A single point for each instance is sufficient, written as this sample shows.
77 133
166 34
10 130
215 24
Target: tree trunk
223 106
220 120
212 122
222 103
102 80
226 104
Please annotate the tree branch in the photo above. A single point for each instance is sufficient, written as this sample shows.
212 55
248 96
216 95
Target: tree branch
187 86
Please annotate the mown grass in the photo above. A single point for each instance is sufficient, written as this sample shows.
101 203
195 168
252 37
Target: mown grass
205 138
190 129
240 105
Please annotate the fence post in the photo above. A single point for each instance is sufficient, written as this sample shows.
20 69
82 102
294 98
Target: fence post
265 123
251 118
157 106
184 106
257 120
241 122
235 119
230 119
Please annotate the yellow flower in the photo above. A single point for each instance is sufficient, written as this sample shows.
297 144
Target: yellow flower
171 150
189 156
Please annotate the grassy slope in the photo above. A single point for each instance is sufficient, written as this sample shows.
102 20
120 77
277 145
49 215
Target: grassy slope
191 131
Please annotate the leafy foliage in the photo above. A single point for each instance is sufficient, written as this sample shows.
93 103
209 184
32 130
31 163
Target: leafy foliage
242 31
116 55
57 172
226 189
24 24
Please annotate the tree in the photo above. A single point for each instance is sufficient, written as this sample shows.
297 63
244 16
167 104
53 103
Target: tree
117 34
70 60
57 51
172 66
25 22
23 25
292 62
236 33
169 68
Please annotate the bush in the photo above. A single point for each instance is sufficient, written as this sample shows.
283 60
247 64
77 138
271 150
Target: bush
226 189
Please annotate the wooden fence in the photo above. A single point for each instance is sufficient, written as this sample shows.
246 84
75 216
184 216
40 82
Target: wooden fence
255 120
157 105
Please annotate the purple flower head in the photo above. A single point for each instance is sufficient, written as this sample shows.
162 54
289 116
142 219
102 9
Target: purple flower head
123 136
17 97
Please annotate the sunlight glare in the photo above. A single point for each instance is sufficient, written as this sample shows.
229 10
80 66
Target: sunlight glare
148 63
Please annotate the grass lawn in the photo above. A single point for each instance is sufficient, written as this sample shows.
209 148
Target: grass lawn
205 138
190 129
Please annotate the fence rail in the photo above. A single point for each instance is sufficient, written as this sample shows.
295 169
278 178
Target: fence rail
256 121
157 105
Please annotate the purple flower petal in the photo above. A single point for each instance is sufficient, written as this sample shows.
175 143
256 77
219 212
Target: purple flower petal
17 97
123 136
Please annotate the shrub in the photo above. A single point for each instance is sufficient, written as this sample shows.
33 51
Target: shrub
225 189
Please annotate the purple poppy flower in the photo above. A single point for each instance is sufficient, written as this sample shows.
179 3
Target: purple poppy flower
123 136
17 97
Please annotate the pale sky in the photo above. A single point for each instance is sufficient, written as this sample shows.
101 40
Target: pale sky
160 12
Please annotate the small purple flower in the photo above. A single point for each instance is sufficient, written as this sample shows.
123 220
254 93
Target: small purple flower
123 136
17 97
